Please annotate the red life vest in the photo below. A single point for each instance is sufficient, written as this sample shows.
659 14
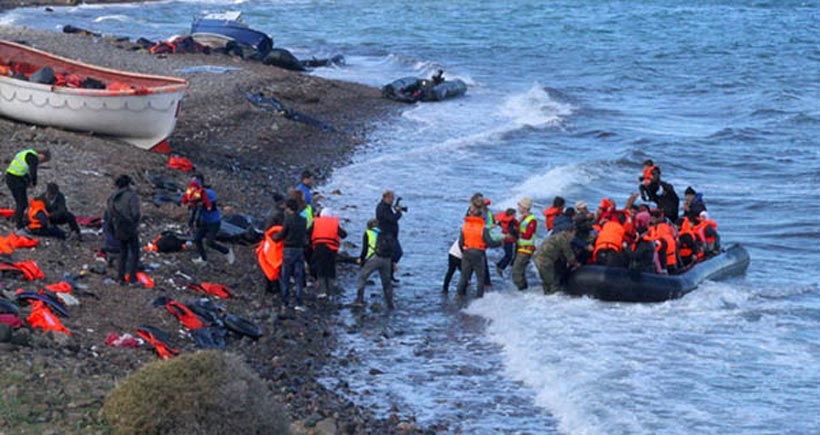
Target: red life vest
550 215
473 232
326 231
505 220
647 174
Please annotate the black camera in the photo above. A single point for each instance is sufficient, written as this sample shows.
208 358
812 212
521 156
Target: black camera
398 205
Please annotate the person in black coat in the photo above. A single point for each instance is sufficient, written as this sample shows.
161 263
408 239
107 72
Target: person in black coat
388 216
123 217
58 213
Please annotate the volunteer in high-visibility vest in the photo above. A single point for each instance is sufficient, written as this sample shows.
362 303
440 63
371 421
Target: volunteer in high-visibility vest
22 174
526 243
369 238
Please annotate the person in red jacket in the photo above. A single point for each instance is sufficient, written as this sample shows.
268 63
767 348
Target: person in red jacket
509 228
556 209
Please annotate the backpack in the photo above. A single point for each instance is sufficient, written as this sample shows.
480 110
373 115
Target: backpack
170 242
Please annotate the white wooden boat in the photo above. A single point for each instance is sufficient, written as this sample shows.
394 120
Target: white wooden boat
139 109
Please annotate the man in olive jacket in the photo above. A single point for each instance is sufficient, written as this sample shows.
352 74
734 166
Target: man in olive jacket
122 218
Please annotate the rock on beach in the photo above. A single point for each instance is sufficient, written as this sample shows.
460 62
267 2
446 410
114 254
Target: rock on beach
246 154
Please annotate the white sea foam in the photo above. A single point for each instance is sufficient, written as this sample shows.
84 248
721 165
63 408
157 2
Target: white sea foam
535 108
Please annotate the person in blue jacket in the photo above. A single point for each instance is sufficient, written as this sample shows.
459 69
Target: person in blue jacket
207 227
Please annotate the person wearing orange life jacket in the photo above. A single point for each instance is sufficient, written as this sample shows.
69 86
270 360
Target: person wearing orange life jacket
609 243
643 255
325 239
662 232
21 174
474 240
556 209
649 179
270 253
478 201
525 246
707 232
38 222
509 228
689 249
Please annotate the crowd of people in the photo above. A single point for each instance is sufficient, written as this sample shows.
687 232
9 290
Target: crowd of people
651 237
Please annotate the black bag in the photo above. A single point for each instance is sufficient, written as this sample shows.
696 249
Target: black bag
385 245
169 242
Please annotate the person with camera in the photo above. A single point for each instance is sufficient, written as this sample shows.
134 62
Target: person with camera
388 215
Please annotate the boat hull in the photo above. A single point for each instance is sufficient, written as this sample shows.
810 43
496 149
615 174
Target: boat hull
616 284
144 116
218 32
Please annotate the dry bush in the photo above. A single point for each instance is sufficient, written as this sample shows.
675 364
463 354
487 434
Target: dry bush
202 393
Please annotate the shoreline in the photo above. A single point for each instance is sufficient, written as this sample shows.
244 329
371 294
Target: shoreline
247 154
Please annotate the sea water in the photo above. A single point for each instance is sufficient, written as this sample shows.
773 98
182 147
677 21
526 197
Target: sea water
568 98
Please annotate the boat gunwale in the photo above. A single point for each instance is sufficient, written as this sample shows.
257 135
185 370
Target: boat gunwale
173 84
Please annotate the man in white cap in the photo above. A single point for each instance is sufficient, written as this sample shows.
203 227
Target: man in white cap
525 246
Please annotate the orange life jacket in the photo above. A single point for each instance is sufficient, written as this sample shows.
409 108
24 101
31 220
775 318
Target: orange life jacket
700 230
473 232
16 241
30 270
42 317
164 351
185 316
550 215
37 214
504 220
269 253
326 231
219 290
6 246
181 163
664 231
611 236
647 174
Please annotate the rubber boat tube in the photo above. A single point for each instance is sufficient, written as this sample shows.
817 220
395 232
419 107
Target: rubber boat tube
615 283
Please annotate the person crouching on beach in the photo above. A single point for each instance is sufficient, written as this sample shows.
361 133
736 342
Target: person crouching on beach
58 213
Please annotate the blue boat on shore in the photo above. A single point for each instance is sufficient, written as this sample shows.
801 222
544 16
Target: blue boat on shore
218 30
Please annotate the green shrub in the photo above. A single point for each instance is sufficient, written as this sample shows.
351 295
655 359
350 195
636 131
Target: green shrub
201 393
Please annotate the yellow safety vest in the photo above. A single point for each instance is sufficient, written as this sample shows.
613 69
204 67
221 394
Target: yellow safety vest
372 237
18 165
526 246
307 213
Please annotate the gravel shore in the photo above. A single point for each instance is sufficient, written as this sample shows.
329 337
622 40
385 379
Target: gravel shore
57 382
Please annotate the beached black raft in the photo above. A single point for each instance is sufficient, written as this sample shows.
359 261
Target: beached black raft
412 89
616 284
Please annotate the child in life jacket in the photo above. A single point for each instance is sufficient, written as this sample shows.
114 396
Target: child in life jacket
650 179
195 197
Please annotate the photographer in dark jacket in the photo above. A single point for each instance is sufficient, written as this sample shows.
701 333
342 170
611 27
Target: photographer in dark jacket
388 216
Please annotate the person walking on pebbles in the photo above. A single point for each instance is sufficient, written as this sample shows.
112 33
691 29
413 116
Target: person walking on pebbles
20 176
209 220
294 235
